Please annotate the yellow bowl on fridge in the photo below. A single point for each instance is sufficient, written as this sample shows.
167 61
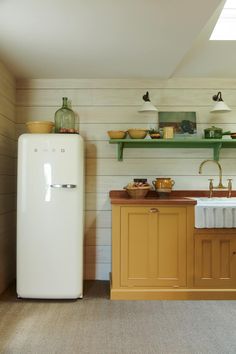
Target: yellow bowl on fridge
40 127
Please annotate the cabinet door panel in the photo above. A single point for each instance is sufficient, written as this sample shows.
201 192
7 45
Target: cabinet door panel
225 259
138 229
153 246
171 247
168 252
207 251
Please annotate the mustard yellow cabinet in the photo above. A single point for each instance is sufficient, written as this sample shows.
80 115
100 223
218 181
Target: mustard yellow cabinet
151 251
215 259
158 254
153 246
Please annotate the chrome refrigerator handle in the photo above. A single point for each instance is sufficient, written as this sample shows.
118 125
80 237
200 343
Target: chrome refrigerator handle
63 185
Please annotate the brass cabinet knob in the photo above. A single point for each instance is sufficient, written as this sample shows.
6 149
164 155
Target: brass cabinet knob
153 210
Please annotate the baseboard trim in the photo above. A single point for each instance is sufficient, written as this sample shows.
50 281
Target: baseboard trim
172 294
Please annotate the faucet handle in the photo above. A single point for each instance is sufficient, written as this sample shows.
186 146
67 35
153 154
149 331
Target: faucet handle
229 182
229 187
211 186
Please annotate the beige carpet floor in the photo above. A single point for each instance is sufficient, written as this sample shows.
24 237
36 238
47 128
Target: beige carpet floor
96 325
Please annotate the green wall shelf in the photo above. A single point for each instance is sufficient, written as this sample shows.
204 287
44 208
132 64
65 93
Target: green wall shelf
215 144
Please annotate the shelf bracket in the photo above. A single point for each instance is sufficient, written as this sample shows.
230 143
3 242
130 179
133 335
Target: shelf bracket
120 148
217 148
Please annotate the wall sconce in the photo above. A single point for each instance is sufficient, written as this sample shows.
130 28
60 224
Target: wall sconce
147 106
220 105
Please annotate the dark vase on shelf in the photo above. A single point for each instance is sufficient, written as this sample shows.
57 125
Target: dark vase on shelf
64 118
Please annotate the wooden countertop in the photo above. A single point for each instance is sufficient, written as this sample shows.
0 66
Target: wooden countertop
122 197
180 197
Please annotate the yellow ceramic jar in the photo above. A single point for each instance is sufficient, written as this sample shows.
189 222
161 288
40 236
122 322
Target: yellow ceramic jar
163 184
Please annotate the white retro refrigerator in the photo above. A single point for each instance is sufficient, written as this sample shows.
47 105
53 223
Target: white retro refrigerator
50 216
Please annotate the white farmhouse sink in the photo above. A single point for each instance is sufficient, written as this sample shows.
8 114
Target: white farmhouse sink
215 212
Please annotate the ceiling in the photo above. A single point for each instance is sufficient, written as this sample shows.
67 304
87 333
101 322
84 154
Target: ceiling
113 39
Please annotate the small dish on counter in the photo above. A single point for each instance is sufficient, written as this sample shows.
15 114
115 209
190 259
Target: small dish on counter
137 190
137 133
138 193
117 134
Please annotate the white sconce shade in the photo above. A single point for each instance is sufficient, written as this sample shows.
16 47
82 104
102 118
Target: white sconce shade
220 106
147 106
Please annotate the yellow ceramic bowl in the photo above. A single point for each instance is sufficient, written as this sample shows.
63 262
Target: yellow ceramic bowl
117 134
42 127
137 133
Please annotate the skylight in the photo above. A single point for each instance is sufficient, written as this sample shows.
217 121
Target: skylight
225 28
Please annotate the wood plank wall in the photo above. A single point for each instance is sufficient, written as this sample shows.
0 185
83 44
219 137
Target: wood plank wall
7 177
113 104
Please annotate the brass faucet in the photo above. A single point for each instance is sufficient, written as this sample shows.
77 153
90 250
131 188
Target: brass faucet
220 185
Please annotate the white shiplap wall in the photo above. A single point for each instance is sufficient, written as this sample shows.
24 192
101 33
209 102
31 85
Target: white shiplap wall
7 177
102 105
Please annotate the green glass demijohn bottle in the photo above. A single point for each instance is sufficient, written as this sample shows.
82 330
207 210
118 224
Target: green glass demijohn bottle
64 118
